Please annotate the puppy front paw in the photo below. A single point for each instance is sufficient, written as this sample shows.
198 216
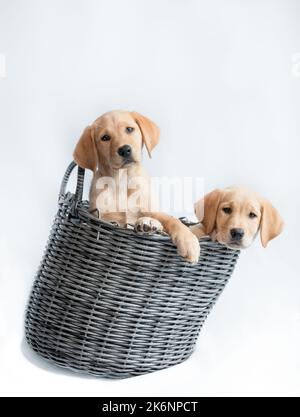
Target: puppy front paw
148 225
187 245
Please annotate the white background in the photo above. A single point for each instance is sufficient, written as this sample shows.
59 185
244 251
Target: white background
218 78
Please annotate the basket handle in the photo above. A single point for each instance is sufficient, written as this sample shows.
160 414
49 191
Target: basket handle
79 185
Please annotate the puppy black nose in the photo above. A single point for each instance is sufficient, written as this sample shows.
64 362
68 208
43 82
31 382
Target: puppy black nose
125 151
237 234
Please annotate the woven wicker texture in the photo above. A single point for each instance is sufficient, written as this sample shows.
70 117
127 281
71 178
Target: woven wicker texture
114 303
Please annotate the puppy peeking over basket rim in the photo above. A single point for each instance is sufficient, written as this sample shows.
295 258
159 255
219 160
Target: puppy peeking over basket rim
235 215
111 145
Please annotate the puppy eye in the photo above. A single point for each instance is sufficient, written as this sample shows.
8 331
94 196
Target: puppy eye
105 138
227 210
252 215
129 129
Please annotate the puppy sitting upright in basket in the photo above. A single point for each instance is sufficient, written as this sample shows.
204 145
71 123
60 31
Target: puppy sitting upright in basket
112 148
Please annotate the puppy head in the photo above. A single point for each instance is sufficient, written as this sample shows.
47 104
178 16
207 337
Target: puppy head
115 141
234 216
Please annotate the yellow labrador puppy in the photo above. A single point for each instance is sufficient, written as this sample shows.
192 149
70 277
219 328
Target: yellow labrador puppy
112 148
235 215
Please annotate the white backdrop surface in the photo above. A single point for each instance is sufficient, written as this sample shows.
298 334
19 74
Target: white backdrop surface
222 81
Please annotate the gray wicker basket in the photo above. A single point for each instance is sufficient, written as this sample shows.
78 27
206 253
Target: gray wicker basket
110 302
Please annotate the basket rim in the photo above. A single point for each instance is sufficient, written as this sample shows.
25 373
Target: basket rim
79 209
83 213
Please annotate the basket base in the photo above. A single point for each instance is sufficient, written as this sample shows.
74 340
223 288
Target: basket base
98 370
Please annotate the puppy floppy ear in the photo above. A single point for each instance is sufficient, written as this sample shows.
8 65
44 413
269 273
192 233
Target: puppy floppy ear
207 208
150 132
271 224
85 154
